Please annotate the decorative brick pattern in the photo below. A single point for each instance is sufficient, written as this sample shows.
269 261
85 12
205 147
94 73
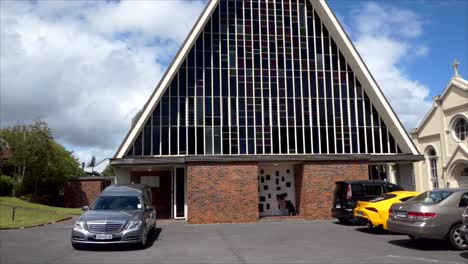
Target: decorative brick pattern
318 183
222 193
80 193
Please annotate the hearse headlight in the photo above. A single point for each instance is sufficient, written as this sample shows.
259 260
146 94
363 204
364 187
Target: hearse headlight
134 223
81 225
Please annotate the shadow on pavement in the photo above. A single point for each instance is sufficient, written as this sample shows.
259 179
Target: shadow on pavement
422 244
349 223
374 231
464 254
153 236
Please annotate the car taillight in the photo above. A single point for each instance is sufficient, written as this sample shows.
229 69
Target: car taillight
420 215
349 194
390 212
371 209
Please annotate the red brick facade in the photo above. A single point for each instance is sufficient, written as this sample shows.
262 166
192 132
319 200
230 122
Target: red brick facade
80 193
218 193
317 184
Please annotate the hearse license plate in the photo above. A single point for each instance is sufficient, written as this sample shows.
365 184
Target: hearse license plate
401 214
103 236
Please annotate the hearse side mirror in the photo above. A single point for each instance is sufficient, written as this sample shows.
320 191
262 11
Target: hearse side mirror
84 208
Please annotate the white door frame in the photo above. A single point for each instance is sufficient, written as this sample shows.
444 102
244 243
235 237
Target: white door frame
174 194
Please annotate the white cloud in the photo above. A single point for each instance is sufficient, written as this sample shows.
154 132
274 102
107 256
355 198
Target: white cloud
72 65
86 67
387 37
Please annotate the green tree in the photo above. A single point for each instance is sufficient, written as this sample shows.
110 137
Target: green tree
92 163
40 164
109 171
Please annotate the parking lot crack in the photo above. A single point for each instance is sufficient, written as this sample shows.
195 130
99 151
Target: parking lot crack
229 245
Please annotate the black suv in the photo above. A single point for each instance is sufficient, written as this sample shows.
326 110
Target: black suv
347 193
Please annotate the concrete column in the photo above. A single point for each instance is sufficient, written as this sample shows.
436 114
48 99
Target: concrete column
122 175
391 173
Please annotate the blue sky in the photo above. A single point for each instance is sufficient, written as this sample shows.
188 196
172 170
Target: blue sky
91 65
444 32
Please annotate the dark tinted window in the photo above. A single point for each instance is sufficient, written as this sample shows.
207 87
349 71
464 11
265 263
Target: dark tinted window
406 199
340 190
357 189
431 197
117 203
464 200
393 187
373 190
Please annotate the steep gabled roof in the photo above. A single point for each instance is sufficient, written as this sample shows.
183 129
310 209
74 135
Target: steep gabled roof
346 47
456 82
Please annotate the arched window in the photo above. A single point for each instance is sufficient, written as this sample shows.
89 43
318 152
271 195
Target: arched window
432 161
460 128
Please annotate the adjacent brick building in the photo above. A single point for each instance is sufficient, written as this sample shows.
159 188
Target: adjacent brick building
82 191
265 106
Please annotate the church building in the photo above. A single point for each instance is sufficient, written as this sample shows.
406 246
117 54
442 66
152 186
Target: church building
442 136
264 99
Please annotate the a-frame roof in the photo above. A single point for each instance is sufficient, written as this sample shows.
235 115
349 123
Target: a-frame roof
457 82
345 45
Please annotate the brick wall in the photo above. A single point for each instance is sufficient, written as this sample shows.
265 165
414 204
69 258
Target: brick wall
79 193
220 193
318 183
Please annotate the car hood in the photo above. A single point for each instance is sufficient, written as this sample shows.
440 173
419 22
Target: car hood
106 215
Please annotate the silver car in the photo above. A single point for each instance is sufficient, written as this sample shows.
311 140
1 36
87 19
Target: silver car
464 228
120 214
433 214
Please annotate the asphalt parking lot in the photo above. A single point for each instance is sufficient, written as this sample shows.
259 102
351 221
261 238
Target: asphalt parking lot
264 242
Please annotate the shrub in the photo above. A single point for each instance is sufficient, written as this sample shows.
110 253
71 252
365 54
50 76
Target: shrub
6 185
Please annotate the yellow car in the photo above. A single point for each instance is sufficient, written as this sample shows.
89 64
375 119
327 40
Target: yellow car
375 211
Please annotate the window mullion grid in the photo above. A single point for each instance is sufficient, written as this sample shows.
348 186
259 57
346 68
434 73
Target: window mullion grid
246 122
380 133
269 83
285 83
160 127
348 103
178 115
261 79
212 91
203 93
186 108
324 88
363 115
277 87
229 76
356 113
388 141
302 85
195 104
293 78
169 117
221 107
319 135
237 80
253 81
332 88
309 105
343 148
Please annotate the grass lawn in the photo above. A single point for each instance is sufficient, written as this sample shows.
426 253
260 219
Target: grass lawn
32 214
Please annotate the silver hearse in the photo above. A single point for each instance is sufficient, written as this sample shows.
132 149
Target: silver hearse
120 214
